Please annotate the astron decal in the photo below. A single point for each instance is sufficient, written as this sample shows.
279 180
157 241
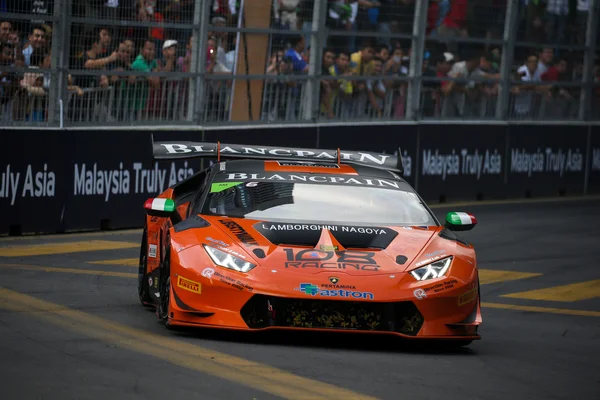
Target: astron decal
96 181
462 163
314 178
36 183
546 161
596 159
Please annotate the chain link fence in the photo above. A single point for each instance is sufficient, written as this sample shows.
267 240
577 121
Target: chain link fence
214 62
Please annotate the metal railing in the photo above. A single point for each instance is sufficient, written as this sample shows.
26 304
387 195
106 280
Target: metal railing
194 87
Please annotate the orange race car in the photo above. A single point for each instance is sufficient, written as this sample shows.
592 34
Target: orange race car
305 239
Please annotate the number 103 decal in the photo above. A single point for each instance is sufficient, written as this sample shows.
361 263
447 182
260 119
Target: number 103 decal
313 258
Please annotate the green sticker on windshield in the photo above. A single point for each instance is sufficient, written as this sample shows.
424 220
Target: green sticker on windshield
220 186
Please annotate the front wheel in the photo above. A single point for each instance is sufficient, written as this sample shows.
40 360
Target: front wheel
143 290
165 286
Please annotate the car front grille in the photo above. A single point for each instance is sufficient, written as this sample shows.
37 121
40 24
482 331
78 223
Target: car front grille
267 311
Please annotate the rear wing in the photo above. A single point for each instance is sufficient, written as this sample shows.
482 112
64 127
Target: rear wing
173 150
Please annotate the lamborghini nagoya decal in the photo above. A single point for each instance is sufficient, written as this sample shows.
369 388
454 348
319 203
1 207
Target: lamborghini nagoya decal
305 239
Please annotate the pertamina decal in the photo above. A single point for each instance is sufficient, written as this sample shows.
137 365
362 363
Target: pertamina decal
189 285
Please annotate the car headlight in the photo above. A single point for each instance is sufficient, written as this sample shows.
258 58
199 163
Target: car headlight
436 269
226 260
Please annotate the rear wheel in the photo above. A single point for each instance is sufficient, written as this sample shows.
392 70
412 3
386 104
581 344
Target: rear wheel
143 291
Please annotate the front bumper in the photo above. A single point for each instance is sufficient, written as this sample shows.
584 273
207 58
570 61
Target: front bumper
230 303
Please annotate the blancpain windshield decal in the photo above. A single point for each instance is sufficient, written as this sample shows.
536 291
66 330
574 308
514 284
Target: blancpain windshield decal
94 180
36 182
282 177
309 234
546 160
461 162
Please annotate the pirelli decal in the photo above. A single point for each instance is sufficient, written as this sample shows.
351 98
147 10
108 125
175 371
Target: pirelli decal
189 285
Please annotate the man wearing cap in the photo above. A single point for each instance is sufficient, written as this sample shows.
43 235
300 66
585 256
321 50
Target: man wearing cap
169 51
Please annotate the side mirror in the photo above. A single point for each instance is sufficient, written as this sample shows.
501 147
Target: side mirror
460 221
162 208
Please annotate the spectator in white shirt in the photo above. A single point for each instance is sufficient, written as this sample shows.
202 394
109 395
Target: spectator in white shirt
524 98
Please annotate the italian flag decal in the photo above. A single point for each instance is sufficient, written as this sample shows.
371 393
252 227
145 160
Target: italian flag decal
167 205
460 218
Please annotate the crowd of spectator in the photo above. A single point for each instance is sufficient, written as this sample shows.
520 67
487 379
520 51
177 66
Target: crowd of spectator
364 71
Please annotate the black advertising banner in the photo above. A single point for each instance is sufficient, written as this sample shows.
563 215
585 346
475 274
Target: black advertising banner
33 184
459 162
546 160
53 181
594 161
112 173
380 139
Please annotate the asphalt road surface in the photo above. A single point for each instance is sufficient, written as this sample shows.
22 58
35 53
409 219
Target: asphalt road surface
71 326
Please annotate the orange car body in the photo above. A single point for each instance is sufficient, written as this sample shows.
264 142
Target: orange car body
307 275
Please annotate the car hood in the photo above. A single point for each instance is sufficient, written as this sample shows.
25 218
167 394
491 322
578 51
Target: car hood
316 248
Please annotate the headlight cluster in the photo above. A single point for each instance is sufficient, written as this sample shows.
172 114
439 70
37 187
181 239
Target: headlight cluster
436 269
226 260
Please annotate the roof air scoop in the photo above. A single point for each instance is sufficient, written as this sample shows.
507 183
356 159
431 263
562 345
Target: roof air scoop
327 242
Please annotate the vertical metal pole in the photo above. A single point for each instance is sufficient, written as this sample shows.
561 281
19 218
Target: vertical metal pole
192 99
318 40
58 80
508 50
236 59
585 103
416 59
199 45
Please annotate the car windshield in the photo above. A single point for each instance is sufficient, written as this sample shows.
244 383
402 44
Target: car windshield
305 202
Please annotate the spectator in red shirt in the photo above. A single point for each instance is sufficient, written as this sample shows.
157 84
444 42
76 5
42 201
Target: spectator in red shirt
555 72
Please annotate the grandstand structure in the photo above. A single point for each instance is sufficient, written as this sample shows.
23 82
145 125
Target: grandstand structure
76 63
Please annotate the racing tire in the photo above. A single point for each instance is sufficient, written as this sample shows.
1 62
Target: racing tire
143 290
164 286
